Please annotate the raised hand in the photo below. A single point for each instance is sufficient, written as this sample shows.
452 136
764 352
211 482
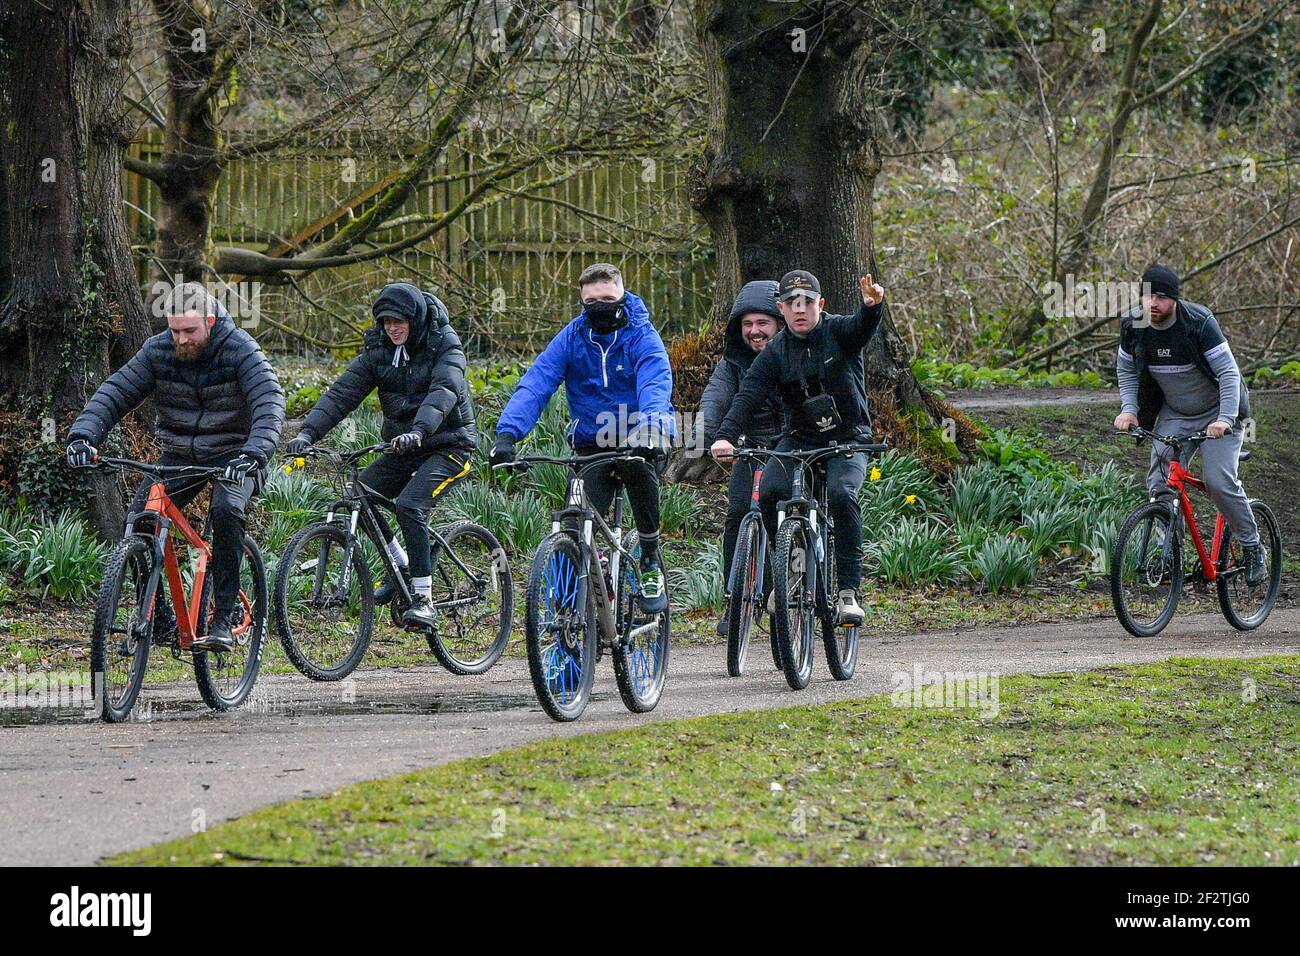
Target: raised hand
872 293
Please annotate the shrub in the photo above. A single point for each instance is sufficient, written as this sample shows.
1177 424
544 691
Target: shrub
885 499
699 584
1005 562
980 495
915 551
680 509
61 558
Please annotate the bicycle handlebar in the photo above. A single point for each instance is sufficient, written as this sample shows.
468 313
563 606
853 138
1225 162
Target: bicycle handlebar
811 455
1173 441
334 455
158 470
571 461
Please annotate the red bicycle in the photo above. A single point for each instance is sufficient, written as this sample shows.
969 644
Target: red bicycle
1147 569
124 612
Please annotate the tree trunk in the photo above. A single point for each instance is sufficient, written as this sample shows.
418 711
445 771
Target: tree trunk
786 182
73 311
190 167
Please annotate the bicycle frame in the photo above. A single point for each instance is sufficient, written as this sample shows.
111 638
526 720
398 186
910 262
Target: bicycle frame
1178 479
186 607
578 507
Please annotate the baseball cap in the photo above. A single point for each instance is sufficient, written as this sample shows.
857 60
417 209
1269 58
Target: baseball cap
798 282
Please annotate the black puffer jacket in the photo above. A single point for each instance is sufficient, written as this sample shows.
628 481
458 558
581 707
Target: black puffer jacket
827 360
227 402
424 391
765 426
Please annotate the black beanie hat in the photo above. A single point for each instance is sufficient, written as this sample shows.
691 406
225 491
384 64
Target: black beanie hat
1162 280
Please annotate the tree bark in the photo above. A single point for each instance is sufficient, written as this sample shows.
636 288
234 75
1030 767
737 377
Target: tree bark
787 178
73 311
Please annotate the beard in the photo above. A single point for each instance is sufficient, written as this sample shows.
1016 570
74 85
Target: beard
192 352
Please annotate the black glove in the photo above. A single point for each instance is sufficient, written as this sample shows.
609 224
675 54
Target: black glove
650 444
240 468
408 441
503 452
299 445
82 454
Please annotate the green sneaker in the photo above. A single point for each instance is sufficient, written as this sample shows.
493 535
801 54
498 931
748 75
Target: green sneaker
653 599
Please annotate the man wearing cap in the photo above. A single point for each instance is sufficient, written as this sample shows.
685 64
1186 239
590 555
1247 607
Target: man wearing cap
1177 376
754 321
218 403
815 365
415 360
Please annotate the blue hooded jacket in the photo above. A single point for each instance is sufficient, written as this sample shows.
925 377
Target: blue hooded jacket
628 367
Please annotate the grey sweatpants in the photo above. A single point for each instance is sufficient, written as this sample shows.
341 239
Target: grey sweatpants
1218 469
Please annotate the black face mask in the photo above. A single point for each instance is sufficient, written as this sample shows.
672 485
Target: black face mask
604 317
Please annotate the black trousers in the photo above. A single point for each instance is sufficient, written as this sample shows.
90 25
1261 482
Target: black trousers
844 476
739 490
642 481
414 482
227 511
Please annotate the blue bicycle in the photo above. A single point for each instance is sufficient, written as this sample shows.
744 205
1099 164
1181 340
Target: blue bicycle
569 622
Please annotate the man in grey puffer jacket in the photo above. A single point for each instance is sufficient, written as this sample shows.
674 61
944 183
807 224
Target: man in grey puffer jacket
219 403
1177 376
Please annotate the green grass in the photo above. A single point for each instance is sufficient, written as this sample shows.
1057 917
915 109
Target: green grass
1171 763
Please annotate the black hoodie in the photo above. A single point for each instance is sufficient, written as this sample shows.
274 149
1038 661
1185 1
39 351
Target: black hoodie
737 356
421 384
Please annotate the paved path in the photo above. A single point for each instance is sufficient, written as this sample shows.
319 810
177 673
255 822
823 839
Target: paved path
74 792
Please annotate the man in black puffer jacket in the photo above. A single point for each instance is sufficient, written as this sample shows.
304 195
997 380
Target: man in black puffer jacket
416 361
218 403
754 321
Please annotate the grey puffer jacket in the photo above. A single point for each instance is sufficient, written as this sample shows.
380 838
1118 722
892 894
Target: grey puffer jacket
226 403
764 428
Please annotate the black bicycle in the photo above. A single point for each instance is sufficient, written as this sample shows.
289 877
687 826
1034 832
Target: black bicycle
805 588
749 578
324 591
569 621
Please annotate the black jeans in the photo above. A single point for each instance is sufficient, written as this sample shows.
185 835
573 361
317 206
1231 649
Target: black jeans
642 481
739 490
227 511
844 476
413 483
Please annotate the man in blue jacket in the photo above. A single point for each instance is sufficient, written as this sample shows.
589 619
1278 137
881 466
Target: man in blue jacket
619 386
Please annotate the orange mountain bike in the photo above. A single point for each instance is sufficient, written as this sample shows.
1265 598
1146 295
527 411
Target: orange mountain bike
1147 568
124 612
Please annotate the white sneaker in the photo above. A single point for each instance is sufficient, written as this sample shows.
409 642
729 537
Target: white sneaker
849 613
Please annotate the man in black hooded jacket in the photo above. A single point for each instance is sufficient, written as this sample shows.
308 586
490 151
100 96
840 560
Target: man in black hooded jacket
218 403
415 360
754 320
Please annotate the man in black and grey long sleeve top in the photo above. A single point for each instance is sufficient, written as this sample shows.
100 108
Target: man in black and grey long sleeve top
1177 376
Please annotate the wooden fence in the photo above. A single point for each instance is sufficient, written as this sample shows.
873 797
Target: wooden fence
507 272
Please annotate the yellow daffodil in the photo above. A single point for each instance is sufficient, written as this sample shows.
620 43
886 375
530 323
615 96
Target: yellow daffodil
875 473
909 499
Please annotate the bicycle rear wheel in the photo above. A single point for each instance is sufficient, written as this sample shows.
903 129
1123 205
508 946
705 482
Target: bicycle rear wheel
119 642
1246 607
796 609
841 642
560 630
226 678
747 596
324 627
641 661
1146 575
475 609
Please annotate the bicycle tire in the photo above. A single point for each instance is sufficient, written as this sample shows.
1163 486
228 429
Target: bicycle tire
1267 523
502 583
1157 511
742 613
796 646
209 664
132 555
300 657
640 686
548 581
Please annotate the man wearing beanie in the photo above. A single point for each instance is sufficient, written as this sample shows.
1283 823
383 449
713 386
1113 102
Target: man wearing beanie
1177 376
754 321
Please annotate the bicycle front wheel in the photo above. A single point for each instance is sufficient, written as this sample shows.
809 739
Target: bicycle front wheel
325 623
1146 570
1246 607
119 643
796 610
746 600
560 629
226 678
841 642
476 606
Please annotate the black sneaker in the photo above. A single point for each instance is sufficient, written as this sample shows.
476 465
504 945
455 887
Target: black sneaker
421 613
219 636
653 598
1254 562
